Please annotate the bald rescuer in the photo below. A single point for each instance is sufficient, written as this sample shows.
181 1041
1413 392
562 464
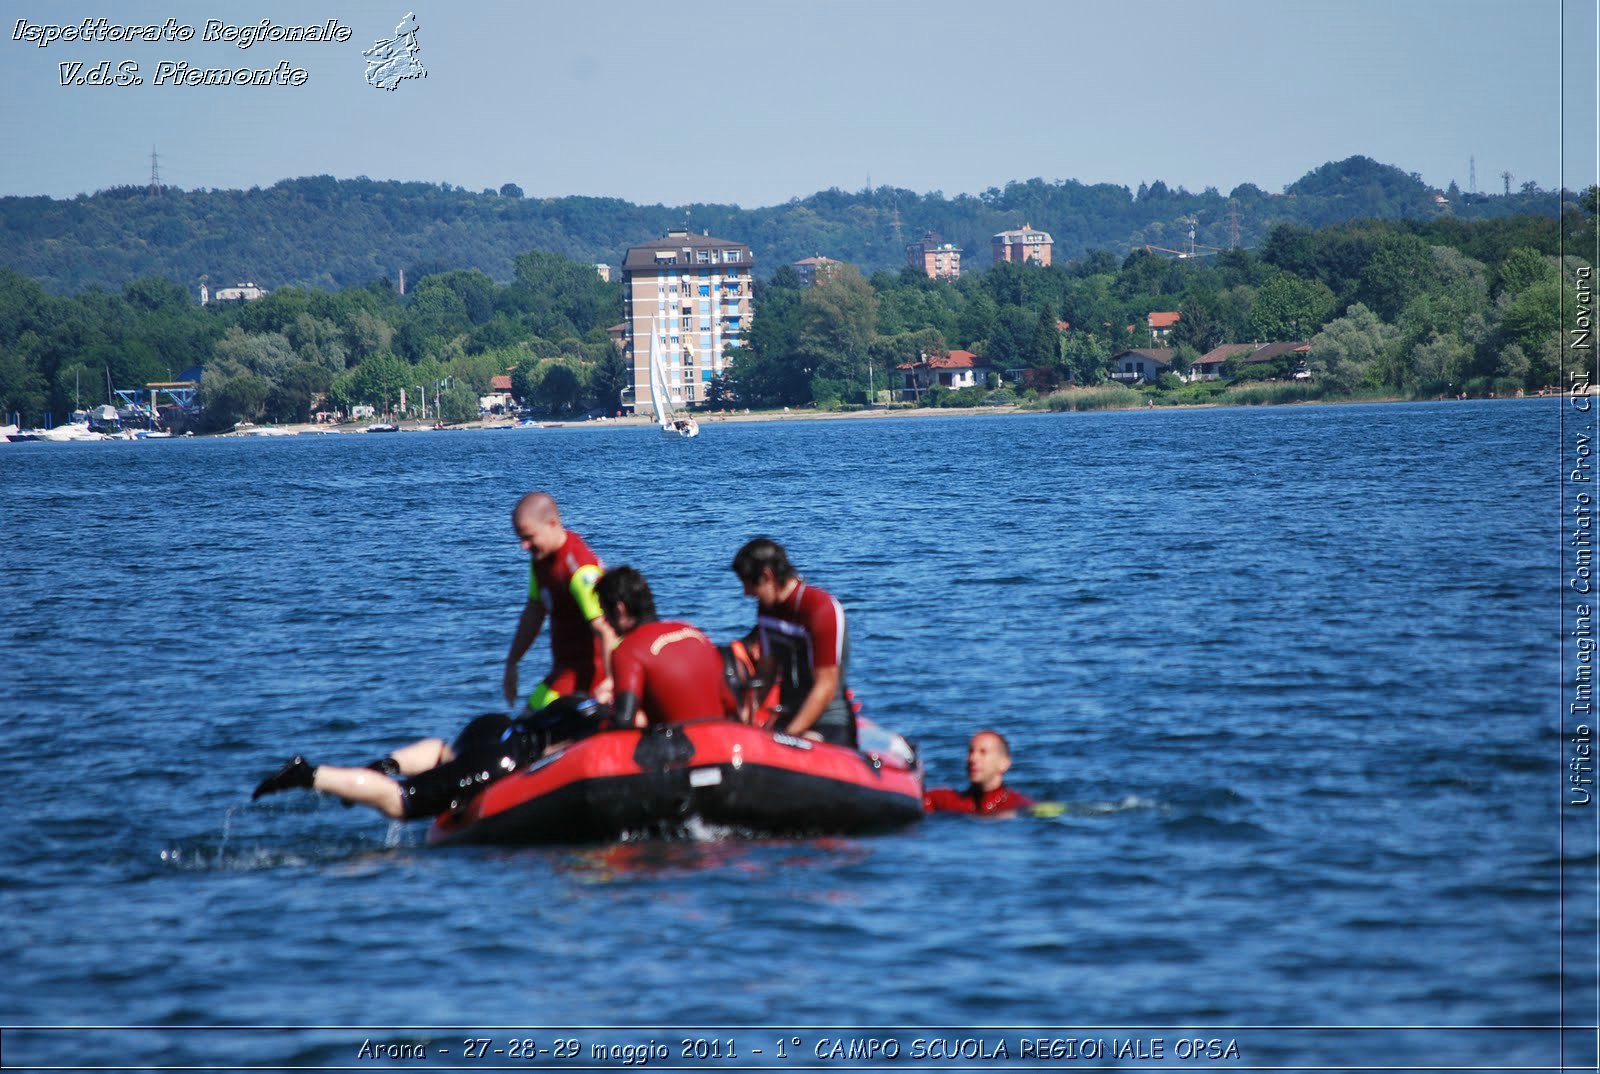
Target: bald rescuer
561 579
988 761
664 671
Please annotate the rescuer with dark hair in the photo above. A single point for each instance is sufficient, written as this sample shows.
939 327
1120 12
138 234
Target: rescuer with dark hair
662 671
802 628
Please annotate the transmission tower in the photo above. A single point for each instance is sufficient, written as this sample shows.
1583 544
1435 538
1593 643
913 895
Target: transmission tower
1507 177
155 173
899 240
1233 223
1472 175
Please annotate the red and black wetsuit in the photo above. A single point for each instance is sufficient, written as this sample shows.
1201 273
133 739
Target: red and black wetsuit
805 632
672 672
564 584
972 800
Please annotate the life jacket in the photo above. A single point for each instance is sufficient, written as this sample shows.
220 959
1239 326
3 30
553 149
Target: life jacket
740 660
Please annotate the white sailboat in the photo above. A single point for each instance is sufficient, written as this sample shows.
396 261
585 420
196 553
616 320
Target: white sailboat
660 392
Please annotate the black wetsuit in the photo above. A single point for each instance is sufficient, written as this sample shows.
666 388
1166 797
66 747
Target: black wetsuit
492 746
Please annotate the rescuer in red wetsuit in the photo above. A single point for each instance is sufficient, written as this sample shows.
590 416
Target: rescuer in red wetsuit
662 672
988 760
802 628
561 581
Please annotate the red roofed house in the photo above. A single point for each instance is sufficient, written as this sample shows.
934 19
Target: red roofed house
1161 325
499 398
956 370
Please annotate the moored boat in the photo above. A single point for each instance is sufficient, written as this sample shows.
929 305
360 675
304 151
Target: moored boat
667 780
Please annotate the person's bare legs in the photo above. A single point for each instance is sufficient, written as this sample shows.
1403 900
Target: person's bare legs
421 756
362 786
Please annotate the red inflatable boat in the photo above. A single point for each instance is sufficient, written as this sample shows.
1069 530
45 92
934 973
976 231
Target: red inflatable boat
661 781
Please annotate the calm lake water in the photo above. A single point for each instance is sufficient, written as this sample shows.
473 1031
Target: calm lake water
1294 674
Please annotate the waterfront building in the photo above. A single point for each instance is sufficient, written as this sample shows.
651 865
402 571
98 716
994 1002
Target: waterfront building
952 372
1141 365
692 293
1025 245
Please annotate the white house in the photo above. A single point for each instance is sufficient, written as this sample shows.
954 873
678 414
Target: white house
956 370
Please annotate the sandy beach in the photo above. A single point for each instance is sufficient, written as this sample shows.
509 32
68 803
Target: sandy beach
643 420
803 414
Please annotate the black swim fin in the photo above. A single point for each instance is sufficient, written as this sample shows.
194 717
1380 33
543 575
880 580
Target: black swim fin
297 774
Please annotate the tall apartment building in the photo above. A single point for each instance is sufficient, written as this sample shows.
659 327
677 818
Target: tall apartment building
693 293
940 260
1023 246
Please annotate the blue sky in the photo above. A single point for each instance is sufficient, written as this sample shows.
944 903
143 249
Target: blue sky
754 103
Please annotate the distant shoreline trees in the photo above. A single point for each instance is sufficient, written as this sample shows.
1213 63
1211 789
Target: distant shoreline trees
1396 305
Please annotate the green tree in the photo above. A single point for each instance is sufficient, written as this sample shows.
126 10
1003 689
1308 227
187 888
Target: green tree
555 293
525 380
559 388
1512 363
1184 356
377 381
1532 318
367 333
839 321
267 354
1045 347
1289 308
611 374
977 319
231 393
1197 325
1402 267
1085 357
293 395
23 390
1441 360
1351 349
318 341
458 403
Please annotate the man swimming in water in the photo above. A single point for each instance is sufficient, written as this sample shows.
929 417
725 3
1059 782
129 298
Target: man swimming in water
561 580
803 628
988 761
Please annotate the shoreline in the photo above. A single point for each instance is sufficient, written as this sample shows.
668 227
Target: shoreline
641 421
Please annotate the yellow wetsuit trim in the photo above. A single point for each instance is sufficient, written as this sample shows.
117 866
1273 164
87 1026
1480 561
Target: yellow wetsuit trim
541 696
584 580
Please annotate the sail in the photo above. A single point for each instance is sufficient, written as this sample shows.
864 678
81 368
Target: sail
658 379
